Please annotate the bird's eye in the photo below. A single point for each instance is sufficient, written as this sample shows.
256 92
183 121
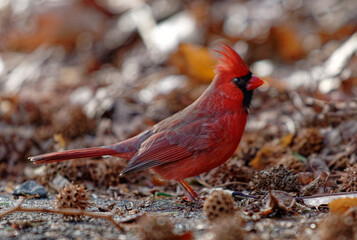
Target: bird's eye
241 82
237 80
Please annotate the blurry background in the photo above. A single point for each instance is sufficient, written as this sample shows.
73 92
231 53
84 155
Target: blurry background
82 73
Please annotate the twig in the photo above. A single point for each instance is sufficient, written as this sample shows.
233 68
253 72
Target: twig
203 182
243 195
64 211
14 209
315 184
233 182
349 149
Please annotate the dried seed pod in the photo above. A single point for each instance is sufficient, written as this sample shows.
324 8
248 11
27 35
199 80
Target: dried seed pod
72 196
74 122
66 169
349 179
107 172
218 204
15 143
275 178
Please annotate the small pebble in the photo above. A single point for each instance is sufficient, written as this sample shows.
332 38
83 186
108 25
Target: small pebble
30 188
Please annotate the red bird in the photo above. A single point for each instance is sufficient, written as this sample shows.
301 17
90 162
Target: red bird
197 139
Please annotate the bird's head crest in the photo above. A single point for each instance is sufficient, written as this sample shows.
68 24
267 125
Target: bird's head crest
230 63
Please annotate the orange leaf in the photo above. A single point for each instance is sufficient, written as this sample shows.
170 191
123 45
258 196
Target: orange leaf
194 61
267 156
342 205
289 42
286 140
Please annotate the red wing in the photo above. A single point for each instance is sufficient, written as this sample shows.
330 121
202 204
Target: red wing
157 150
170 146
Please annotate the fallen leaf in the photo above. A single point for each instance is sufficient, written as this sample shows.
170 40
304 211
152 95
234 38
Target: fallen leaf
341 205
289 42
286 140
194 61
277 200
267 156
316 184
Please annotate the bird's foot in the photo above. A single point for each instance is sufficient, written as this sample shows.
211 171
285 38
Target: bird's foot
189 199
191 195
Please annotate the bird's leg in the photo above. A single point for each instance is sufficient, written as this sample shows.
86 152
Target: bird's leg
191 194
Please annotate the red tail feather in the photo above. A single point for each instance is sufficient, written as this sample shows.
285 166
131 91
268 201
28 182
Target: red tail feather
72 154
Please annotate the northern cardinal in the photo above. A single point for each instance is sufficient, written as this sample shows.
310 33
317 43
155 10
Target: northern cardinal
197 139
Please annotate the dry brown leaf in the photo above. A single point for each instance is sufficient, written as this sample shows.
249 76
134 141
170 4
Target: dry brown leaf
308 141
282 200
286 140
267 156
293 163
317 184
289 42
273 202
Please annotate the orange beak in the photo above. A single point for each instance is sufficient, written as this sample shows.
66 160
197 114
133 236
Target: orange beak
253 83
